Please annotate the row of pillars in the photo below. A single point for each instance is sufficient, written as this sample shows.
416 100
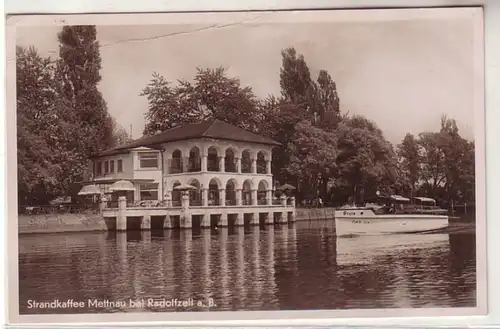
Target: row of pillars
238 194
222 164
186 216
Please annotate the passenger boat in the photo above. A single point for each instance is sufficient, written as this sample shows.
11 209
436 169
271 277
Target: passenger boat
389 215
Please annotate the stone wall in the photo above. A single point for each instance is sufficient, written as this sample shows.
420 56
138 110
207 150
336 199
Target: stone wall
314 213
66 222
86 222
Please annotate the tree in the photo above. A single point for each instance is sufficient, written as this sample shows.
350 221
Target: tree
120 134
433 170
318 99
47 148
78 74
61 116
313 159
328 101
211 94
295 79
35 96
409 163
366 161
457 155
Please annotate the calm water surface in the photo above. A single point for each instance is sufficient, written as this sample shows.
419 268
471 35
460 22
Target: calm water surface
296 267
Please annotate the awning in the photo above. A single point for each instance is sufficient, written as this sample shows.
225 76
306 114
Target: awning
122 185
399 198
111 181
424 199
90 190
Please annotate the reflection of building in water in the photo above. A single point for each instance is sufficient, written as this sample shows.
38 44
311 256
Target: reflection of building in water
187 244
240 268
262 272
312 269
224 274
122 254
292 248
270 284
207 282
255 261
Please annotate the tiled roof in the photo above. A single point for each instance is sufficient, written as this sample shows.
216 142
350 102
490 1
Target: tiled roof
215 129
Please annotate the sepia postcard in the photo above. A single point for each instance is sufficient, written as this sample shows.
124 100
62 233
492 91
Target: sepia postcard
246 165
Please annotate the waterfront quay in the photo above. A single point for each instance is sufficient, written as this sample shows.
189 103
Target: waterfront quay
124 218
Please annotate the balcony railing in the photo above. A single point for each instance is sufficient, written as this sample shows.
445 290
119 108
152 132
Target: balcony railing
230 202
196 203
111 204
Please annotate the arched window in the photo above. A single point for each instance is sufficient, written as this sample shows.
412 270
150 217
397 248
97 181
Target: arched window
262 192
194 160
246 193
176 163
246 162
230 161
212 159
176 195
195 195
231 192
213 192
261 163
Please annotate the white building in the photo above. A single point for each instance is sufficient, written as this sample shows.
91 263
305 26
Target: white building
228 167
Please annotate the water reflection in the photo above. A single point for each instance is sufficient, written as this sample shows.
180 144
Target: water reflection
364 250
298 266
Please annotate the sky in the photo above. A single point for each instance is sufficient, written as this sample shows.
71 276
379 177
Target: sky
402 74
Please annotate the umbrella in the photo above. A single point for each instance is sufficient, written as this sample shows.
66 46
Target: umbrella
90 190
184 187
122 185
61 200
285 187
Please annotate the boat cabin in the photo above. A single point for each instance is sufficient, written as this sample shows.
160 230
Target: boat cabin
392 204
397 204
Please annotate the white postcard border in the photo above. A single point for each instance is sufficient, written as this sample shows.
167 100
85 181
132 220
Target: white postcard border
308 317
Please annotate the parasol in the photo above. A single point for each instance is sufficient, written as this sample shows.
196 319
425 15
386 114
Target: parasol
90 190
184 187
286 187
122 185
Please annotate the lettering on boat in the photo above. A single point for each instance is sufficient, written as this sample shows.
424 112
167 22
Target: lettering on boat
360 222
349 213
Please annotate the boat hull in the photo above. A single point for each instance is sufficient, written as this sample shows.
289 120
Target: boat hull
365 221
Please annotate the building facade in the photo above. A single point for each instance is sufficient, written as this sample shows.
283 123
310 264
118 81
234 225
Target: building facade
224 170
211 170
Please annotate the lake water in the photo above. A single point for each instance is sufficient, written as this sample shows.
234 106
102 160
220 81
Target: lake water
295 267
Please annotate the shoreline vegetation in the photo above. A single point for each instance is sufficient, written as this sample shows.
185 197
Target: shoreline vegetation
81 223
326 151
